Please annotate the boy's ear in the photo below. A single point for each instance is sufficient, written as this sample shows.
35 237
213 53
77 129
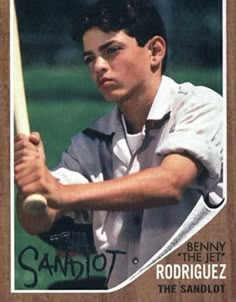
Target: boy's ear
157 49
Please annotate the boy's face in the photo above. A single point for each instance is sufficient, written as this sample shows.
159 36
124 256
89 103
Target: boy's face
118 66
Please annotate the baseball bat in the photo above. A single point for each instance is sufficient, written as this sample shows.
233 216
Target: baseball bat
36 203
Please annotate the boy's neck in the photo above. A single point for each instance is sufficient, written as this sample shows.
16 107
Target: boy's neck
136 109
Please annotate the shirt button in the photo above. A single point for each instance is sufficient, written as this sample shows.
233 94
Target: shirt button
135 260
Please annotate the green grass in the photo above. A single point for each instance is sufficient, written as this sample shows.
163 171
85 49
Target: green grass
57 120
61 102
59 82
211 78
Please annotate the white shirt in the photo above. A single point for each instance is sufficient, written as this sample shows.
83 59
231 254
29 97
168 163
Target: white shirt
182 119
134 141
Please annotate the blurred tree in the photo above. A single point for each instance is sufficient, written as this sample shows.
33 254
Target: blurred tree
194 29
196 32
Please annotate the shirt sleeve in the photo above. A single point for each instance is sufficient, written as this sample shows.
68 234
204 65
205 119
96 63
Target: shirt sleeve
197 129
69 170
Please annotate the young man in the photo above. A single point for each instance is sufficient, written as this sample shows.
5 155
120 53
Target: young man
141 168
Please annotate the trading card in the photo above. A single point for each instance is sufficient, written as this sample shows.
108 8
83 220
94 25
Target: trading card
119 142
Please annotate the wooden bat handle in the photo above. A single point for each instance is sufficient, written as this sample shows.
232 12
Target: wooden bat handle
36 203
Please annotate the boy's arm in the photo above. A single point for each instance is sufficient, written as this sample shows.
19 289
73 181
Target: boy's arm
152 187
146 189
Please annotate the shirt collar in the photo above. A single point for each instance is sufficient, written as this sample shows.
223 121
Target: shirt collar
163 99
159 112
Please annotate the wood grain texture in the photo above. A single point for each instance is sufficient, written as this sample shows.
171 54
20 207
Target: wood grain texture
222 228
4 152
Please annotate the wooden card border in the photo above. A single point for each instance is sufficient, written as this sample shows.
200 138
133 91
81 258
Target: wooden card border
143 289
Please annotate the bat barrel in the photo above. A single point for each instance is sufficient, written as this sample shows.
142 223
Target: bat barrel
36 203
20 108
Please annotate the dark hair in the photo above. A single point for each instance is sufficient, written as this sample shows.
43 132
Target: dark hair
138 18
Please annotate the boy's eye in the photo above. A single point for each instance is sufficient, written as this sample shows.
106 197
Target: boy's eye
89 59
112 50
